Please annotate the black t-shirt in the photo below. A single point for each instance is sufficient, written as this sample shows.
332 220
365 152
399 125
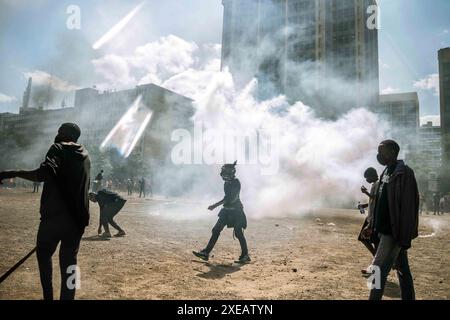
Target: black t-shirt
382 215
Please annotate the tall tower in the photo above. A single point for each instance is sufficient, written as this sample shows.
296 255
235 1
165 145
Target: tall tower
322 52
26 96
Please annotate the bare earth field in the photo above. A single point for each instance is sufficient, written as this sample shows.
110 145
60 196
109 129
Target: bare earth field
312 257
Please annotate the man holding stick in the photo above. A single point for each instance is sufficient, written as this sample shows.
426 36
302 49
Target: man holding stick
64 207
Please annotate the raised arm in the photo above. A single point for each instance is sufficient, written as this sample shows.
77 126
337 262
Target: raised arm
37 175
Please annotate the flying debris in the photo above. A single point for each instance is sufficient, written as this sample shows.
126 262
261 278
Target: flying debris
129 129
114 31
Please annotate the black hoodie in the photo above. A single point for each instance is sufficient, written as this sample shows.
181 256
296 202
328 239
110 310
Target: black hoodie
66 176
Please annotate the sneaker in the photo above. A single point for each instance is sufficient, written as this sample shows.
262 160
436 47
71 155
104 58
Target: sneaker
121 233
244 259
366 273
106 235
201 254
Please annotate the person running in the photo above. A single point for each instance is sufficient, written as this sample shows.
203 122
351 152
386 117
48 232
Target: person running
231 215
110 204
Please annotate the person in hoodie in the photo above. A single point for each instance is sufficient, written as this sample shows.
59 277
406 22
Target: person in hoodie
395 221
64 207
232 215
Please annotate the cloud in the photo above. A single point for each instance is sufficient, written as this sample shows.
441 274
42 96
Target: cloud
430 82
115 70
389 90
4 98
164 62
435 119
42 78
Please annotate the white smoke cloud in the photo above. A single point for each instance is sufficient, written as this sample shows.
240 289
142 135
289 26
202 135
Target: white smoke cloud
389 90
42 78
430 82
321 163
165 62
6 98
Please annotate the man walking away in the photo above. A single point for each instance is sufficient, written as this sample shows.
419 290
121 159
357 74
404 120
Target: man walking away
64 207
396 220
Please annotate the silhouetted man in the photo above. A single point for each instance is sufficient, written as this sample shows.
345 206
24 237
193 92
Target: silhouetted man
64 207
371 242
36 186
142 187
130 185
396 220
98 181
110 204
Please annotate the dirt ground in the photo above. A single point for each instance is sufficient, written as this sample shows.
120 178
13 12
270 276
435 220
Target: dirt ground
311 257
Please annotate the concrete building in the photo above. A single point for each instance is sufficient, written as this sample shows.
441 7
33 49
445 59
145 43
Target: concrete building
430 146
444 89
401 112
323 52
97 113
430 156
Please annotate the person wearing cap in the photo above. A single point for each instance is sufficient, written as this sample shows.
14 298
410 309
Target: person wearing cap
64 207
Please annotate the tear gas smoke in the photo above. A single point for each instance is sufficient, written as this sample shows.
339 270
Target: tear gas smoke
129 129
115 30
321 162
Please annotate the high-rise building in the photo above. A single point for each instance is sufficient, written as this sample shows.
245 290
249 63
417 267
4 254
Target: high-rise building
444 92
444 86
401 112
322 52
430 146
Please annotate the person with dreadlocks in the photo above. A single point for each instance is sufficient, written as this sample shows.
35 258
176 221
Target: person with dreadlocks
231 215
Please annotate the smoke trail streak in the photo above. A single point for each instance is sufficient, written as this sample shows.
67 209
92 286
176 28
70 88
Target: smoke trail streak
115 30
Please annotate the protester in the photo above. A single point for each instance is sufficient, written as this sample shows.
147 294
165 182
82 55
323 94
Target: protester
64 207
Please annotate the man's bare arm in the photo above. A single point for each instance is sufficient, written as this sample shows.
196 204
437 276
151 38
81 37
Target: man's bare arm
216 204
37 175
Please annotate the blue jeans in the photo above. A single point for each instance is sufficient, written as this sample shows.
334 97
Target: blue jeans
388 254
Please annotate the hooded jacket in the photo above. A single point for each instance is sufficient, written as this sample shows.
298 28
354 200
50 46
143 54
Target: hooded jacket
403 201
66 175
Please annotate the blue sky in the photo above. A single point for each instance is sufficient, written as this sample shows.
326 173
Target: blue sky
33 36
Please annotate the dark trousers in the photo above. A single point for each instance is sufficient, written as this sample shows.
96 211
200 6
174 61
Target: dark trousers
141 191
388 254
217 229
50 234
108 213
130 191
